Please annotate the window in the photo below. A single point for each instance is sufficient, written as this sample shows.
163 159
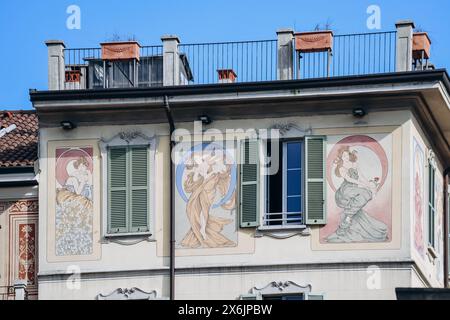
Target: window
284 190
431 204
294 195
128 189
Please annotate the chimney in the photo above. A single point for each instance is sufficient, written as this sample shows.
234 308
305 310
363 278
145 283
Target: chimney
285 52
56 64
404 45
227 75
171 60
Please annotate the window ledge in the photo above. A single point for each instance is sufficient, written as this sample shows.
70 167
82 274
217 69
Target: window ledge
128 238
285 232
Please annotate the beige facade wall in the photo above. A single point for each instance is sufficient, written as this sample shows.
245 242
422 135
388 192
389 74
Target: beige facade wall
300 249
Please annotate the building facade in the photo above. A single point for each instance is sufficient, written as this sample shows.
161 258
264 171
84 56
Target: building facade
18 205
327 186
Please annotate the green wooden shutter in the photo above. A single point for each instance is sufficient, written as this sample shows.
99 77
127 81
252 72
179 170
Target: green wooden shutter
117 190
249 184
315 181
139 189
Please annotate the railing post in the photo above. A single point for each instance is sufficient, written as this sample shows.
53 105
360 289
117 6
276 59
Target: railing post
56 65
404 45
285 52
20 291
171 60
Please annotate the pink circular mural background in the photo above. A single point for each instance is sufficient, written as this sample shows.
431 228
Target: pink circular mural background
64 156
353 141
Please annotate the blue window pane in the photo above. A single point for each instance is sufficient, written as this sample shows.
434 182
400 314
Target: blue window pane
294 204
294 182
294 155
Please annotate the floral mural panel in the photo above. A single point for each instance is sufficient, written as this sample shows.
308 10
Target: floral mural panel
359 190
23 242
206 178
74 201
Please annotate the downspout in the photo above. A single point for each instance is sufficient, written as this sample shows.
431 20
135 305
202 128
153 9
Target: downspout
172 206
446 227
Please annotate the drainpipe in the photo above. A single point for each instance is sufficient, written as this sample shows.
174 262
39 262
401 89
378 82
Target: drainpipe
172 205
446 227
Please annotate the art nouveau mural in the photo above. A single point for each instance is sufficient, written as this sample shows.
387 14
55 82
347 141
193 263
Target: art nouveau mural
359 198
73 219
418 195
74 201
206 197
440 226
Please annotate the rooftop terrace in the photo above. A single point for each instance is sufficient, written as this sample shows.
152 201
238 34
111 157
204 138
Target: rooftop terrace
292 55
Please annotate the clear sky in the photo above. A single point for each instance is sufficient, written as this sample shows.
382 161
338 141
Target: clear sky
25 25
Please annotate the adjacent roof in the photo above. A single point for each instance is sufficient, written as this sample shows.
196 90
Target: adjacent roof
18 148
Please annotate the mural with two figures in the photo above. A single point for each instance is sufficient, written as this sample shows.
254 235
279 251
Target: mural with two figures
359 204
74 201
206 197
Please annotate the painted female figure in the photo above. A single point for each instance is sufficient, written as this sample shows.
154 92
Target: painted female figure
418 204
80 178
355 192
208 177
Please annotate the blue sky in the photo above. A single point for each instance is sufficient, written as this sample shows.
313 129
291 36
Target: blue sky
25 25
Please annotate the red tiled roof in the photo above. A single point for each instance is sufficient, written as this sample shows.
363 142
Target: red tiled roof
18 148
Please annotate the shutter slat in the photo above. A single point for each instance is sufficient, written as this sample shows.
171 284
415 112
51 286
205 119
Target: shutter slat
118 211
315 181
139 209
118 168
139 189
139 164
117 190
249 187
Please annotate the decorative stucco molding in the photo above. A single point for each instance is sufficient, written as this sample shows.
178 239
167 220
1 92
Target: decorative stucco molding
286 128
281 287
128 294
282 234
128 241
133 137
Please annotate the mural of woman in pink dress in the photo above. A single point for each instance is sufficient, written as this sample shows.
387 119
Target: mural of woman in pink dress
357 169
210 182
418 172
352 196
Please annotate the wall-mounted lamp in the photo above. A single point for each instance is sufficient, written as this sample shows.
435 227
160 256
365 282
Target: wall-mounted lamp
359 112
67 125
205 119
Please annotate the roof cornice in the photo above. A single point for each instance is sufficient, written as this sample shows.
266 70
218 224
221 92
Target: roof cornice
173 91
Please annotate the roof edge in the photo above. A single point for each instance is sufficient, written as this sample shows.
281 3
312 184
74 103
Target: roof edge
396 77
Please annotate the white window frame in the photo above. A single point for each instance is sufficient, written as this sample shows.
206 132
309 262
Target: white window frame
264 190
127 139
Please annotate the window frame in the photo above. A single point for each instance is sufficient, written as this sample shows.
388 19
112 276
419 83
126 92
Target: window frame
129 189
266 187
128 140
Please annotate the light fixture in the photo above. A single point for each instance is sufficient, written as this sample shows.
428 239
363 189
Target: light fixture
205 119
359 112
67 125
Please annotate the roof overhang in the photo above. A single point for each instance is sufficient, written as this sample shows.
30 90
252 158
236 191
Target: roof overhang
17 177
426 93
